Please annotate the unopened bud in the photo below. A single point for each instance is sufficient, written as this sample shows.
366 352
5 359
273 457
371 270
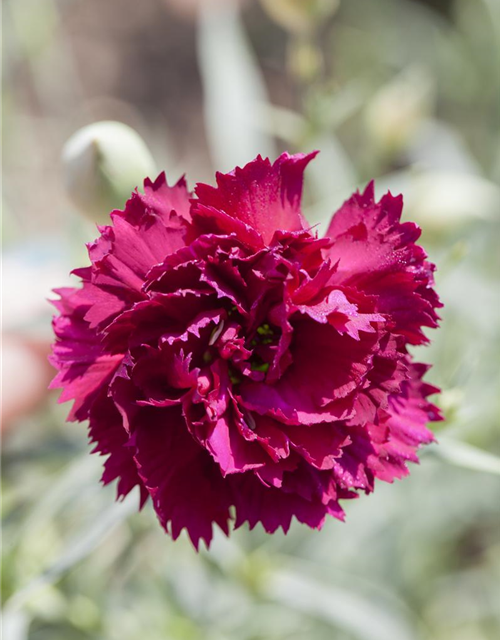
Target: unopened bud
305 60
397 110
300 16
102 165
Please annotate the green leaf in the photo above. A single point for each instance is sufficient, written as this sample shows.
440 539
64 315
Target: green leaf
234 89
15 625
465 455
341 608
76 549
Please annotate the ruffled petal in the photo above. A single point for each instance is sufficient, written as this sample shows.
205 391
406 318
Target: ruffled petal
263 197
84 368
231 451
152 226
186 486
106 431
273 508
376 253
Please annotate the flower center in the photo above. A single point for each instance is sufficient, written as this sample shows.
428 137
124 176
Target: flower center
251 358
263 345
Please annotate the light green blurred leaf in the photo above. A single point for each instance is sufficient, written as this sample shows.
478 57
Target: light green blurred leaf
76 549
70 482
343 609
34 24
333 179
234 89
15 625
281 122
465 455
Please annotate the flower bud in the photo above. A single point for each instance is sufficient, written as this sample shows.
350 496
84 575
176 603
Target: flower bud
397 110
102 165
300 16
304 59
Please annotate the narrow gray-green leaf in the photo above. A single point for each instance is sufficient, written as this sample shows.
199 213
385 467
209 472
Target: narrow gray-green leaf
77 549
343 609
465 455
15 625
234 89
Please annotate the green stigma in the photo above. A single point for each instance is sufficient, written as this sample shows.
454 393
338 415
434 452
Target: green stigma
264 367
265 330
234 377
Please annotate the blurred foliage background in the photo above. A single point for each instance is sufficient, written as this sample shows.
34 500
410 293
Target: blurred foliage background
405 91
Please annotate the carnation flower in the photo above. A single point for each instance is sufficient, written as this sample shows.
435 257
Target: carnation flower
236 367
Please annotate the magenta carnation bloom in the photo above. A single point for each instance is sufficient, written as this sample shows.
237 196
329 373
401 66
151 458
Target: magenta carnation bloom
233 365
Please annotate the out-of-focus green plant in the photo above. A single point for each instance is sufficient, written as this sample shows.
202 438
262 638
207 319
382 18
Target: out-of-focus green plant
102 164
300 16
397 111
303 20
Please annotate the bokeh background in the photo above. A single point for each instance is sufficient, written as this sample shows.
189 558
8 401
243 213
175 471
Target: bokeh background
405 91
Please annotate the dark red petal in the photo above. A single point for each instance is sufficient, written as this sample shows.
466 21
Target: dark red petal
262 196
374 252
107 432
186 486
255 503
230 450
